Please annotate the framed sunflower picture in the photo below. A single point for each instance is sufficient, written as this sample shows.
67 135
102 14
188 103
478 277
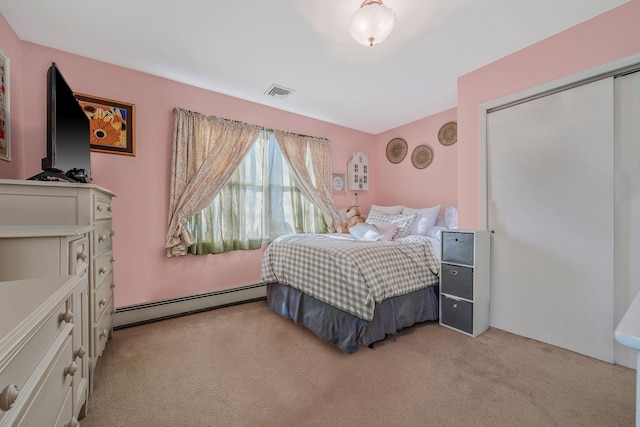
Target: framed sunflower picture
111 124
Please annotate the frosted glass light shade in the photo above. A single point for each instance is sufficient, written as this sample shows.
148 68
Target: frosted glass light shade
372 23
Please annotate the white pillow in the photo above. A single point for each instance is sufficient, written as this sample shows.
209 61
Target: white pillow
387 229
364 231
404 223
427 218
435 232
451 217
393 210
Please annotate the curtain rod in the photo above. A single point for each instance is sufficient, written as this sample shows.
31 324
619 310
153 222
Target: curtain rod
239 121
296 134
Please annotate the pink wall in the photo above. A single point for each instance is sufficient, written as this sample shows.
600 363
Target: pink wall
402 183
141 183
144 274
610 36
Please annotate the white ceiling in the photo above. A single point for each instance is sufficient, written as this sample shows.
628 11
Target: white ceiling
241 47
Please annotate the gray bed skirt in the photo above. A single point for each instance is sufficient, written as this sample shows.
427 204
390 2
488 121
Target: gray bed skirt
346 330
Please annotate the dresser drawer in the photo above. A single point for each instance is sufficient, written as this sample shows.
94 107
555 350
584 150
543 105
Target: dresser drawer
102 330
46 406
457 247
102 267
26 359
102 208
457 280
102 236
457 314
65 417
102 296
81 346
79 256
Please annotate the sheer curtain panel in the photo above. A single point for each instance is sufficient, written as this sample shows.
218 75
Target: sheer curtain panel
206 151
257 204
313 182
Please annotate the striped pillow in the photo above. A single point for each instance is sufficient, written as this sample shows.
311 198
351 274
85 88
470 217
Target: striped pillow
403 222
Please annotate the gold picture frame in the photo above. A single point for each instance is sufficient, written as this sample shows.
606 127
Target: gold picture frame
111 124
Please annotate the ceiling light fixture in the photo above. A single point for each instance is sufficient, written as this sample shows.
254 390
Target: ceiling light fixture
372 23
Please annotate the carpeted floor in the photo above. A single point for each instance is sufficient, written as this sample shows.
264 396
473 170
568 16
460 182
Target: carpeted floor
246 366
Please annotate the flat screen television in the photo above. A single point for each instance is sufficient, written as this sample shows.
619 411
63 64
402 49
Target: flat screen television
68 147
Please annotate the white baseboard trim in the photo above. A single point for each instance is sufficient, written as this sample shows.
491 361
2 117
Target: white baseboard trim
149 312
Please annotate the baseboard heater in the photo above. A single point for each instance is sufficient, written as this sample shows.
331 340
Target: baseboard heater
159 310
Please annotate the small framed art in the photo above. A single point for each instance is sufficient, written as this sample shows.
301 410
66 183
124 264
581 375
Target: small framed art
339 184
111 124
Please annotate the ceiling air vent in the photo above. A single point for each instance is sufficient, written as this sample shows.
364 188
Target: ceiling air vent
276 91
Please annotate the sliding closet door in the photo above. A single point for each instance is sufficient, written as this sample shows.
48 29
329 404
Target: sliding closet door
627 202
550 206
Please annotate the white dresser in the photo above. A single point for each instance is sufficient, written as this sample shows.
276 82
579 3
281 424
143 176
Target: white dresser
40 251
29 204
39 360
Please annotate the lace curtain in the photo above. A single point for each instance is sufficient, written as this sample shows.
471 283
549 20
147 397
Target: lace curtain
315 184
206 151
257 204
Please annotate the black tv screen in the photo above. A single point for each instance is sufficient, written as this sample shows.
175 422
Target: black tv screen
68 146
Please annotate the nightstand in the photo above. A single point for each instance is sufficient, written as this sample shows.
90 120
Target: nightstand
464 281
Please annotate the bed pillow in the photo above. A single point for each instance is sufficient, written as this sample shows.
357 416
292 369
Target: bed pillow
435 232
393 210
427 218
364 231
451 217
403 223
387 229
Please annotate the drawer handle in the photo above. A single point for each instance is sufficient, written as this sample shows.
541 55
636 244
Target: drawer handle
454 272
99 208
113 286
80 352
113 259
102 302
102 238
71 369
102 270
113 233
82 255
72 423
67 316
104 333
8 397
455 305
109 208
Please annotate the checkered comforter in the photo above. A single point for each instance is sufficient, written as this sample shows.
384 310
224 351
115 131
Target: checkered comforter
350 274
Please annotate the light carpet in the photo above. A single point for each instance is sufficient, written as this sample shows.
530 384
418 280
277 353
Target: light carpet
246 366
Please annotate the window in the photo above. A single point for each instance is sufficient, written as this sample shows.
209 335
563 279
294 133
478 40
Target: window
259 203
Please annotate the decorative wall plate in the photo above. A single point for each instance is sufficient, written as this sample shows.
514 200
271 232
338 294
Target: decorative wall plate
422 156
396 150
448 133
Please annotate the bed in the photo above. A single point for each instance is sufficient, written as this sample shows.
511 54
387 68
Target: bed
352 292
